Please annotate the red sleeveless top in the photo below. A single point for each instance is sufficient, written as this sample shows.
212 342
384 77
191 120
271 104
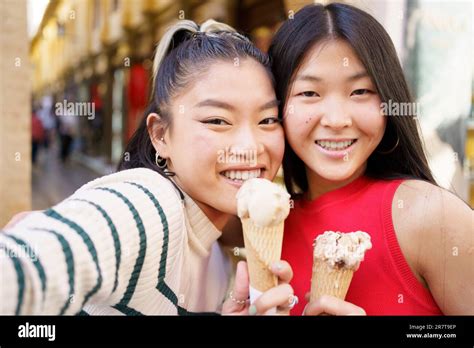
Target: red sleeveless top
384 283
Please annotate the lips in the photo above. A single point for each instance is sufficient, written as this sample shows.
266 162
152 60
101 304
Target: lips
336 149
336 145
242 175
236 176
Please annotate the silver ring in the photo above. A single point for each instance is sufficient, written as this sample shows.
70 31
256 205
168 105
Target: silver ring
293 301
233 299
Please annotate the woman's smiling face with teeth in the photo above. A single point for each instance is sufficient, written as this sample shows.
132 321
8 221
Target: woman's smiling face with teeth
333 120
225 130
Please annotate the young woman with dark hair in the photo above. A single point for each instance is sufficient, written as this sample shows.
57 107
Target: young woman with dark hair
347 166
145 240
350 167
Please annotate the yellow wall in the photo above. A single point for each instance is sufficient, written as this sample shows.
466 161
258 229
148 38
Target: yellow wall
15 116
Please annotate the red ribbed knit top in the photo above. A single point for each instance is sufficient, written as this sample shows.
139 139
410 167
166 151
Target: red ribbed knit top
384 283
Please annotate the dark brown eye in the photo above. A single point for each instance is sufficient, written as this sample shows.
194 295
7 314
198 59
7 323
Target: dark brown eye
216 121
361 91
270 120
309 94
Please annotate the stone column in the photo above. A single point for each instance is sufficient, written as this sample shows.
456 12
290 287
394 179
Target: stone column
15 111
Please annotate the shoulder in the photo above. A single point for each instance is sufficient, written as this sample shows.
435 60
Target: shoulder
141 191
133 182
424 203
138 175
139 200
423 208
435 229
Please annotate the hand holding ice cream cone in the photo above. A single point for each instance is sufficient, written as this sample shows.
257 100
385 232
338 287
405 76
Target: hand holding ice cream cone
281 296
262 207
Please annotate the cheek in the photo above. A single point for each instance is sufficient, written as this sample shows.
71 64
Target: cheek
299 122
370 122
195 150
275 145
204 147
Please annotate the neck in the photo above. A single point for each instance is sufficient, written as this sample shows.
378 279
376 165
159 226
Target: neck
218 218
232 235
318 185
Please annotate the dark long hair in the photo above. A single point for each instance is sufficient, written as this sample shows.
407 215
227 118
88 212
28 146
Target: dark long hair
373 46
185 51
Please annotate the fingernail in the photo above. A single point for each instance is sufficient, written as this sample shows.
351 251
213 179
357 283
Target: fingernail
252 310
276 266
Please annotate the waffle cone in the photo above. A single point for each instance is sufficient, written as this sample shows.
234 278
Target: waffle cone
263 247
327 280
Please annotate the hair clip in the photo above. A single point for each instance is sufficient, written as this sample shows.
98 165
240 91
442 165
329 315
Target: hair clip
197 33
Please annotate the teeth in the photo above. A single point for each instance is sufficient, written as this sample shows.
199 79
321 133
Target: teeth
242 175
335 145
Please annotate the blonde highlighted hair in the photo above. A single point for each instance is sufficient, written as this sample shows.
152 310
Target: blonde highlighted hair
209 27
185 51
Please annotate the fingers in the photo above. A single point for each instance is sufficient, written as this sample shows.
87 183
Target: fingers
333 306
307 296
239 293
283 271
241 285
279 296
292 301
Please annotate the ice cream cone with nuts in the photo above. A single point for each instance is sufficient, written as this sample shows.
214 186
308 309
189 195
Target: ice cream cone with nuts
335 259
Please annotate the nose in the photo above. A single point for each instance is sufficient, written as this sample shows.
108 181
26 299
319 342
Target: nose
246 144
335 115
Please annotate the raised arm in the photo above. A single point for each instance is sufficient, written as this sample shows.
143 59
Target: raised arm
90 248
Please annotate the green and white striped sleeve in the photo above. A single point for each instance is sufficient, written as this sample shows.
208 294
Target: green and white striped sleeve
92 248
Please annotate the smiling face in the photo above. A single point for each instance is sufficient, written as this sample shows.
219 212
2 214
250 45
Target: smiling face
224 130
333 119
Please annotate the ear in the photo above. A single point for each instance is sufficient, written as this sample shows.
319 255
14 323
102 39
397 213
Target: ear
157 131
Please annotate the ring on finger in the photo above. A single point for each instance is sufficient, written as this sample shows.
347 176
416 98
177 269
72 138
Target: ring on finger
293 301
237 301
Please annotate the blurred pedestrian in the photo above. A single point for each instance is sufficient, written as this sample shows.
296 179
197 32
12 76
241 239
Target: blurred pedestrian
37 135
68 124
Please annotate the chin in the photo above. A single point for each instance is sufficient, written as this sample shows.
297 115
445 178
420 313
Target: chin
335 173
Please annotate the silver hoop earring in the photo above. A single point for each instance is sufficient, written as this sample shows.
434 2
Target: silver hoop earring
392 149
161 162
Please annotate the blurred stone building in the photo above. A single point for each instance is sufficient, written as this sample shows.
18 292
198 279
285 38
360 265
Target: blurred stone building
99 52
15 115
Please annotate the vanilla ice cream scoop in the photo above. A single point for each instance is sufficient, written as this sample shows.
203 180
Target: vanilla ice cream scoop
342 250
265 203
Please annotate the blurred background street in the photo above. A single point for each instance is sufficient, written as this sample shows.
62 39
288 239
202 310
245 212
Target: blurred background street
76 73
53 180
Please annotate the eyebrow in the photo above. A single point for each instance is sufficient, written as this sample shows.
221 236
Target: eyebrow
215 103
358 75
313 78
223 105
269 105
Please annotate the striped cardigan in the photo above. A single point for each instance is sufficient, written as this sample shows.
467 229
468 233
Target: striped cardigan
123 244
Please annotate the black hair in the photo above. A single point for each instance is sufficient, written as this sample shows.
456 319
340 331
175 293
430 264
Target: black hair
185 51
309 27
